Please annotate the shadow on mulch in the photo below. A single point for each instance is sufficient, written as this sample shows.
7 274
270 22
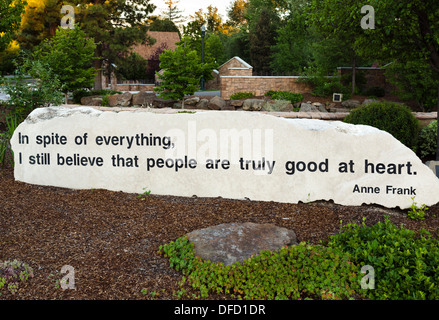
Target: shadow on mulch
111 238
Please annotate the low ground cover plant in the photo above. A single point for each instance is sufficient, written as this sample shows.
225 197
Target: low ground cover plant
242 95
12 273
297 272
406 266
406 263
285 95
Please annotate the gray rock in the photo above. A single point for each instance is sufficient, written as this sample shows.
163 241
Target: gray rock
350 103
234 242
143 98
236 103
191 101
91 101
307 107
369 101
320 107
162 103
253 104
120 99
203 104
216 103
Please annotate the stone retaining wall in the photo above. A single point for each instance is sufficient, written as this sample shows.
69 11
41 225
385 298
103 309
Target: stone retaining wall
259 85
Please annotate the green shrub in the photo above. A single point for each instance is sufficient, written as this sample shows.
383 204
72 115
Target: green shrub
242 95
12 122
285 95
394 118
427 141
406 264
25 96
297 272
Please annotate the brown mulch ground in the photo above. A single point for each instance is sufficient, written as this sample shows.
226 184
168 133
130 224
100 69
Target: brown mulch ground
111 239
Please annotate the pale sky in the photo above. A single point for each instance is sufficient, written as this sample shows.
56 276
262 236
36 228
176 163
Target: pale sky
191 6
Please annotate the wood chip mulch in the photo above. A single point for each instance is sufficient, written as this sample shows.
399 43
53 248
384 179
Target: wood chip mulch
111 239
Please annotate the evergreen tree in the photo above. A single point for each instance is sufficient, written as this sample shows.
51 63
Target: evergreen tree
69 54
182 71
172 13
261 39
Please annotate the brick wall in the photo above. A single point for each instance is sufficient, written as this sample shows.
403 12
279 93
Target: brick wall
234 68
259 85
132 87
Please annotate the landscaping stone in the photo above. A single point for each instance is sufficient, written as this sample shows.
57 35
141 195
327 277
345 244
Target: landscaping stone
203 104
191 101
162 103
120 99
351 103
253 104
91 101
307 107
228 106
143 98
236 103
216 103
369 101
232 242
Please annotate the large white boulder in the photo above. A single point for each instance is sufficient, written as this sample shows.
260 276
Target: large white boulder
228 154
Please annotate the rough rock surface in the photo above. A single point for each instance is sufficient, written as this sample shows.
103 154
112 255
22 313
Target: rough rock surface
306 107
350 103
120 99
216 103
253 104
91 101
192 101
232 242
143 98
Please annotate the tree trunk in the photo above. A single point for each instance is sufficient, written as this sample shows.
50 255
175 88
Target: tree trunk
66 99
354 71
98 77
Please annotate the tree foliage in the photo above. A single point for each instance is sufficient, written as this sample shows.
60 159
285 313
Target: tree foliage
182 71
10 17
70 56
172 12
262 38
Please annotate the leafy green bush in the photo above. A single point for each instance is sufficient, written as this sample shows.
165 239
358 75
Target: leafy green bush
406 264
242 95
12 122
285 95
394 118
427 141
25 96
296 272
11 273
79 94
